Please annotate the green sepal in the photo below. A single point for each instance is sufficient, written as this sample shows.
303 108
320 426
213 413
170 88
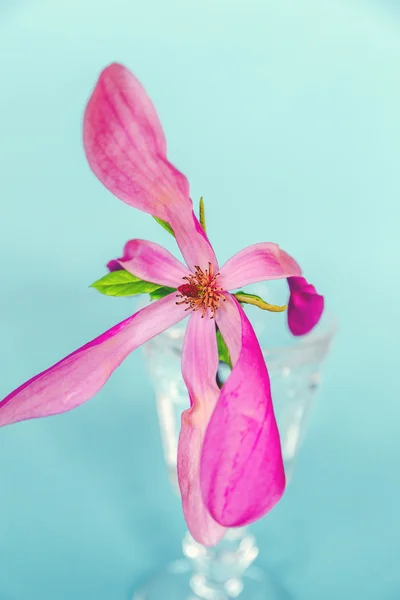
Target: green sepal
161 292
166 225
250 296
202 214
223 352
245 298
123 283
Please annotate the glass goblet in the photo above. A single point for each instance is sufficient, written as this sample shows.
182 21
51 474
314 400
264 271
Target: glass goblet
294 364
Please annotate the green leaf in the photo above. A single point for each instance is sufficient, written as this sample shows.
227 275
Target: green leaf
223 352
123 283
245 298
202 214
166 225
161 292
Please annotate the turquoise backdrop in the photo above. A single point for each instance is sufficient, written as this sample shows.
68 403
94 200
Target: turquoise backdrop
285 117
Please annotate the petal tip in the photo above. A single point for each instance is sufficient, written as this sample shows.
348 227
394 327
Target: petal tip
305 306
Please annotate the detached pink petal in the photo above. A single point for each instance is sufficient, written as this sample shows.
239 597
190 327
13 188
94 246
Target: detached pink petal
199 368
242 474
305 306
80 375
153 263
126 149
255 263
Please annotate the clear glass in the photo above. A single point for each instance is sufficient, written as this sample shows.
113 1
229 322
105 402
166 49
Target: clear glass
294 365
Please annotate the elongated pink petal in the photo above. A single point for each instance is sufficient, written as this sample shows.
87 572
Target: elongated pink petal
305 306
199 368
126 149
78 377
153 263
242 474
255 263
192 241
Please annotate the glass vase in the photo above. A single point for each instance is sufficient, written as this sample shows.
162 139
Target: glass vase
294 364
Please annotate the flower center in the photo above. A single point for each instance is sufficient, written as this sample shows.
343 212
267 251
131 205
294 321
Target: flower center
201 291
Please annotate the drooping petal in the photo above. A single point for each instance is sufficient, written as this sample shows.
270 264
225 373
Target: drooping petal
242 474
305 306
153 263
259 262
199 368
78 377
126 149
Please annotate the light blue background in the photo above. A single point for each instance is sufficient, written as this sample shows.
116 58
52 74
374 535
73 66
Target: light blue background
285 116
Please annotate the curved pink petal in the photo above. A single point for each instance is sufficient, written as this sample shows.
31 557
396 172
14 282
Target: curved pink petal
153 263
113 265
305 306
126 149
257 263
199 368
78 377
242 474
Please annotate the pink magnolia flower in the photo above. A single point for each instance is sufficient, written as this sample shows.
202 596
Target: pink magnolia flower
229 458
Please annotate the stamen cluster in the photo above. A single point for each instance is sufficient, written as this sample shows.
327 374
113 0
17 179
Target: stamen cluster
201 291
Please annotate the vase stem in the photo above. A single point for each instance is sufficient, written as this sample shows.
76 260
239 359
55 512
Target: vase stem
218 571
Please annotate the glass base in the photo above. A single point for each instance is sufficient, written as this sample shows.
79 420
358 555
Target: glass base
179 582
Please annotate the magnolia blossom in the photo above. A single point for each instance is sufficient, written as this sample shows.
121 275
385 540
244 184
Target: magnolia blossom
230 465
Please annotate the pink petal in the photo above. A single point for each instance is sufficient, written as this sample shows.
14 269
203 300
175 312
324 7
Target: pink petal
192 241
126 149
199 368
305 306
153 263
78 377
257 263
242 474
113 265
